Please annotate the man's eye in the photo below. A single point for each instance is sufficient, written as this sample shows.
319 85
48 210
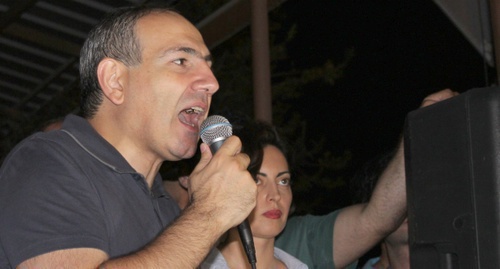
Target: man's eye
181 61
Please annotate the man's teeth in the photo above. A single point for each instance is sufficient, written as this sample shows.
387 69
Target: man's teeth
191 115
193 110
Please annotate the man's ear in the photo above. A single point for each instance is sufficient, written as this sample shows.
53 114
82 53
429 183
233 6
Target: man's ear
110 73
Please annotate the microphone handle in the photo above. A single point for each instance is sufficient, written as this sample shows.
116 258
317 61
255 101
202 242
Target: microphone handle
247 240
244 228
216 145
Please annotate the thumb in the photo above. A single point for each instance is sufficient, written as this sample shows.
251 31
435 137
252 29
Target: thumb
206 156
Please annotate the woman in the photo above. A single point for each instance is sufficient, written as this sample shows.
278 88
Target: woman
270 170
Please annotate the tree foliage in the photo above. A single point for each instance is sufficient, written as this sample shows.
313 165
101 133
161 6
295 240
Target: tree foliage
318 173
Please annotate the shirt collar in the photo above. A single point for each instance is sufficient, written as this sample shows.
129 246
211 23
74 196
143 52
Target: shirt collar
87 137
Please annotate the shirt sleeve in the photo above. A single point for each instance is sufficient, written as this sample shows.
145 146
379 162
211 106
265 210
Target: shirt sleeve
310 239
47 204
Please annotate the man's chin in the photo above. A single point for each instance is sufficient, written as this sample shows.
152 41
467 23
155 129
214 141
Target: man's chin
189 153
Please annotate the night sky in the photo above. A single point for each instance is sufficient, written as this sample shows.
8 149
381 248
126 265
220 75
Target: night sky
404 50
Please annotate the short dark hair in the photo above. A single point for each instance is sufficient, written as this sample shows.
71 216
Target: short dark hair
113 37
365 179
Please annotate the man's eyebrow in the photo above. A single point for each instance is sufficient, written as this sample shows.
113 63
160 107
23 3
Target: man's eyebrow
190 51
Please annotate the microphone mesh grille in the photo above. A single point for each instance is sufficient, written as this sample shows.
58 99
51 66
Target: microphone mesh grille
214 128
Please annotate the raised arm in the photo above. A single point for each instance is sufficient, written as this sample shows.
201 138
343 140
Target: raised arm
223 194
360 227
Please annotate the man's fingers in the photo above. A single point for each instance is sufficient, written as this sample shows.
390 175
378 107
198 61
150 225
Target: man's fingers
231 146
243 159
438 97
205 158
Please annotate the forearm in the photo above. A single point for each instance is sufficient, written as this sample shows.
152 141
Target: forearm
387 207
184 244
360 227
213 211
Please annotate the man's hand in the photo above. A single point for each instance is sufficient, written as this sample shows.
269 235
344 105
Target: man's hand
222 185
438 97
223 194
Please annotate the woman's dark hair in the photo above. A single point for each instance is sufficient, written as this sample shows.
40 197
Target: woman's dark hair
255 135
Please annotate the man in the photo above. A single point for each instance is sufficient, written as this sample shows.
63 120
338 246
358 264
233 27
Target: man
338 239
89 195
394 251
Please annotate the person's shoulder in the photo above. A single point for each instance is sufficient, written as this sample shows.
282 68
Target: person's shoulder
308 219
370 263
214 260
32 146
289 260
301 229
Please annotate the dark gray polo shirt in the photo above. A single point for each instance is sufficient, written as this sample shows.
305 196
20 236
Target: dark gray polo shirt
71 189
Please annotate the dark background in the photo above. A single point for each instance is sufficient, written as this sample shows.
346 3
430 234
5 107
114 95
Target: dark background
404 50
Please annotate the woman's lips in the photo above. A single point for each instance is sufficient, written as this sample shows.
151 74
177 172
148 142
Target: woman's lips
273 214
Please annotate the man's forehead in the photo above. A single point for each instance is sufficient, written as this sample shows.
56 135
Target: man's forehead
164 33
168 21
168 26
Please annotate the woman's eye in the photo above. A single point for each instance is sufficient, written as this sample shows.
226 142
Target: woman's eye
257 180
284 182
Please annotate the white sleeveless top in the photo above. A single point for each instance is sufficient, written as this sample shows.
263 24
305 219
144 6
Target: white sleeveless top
215 260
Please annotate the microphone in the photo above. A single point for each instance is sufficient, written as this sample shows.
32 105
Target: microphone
214 131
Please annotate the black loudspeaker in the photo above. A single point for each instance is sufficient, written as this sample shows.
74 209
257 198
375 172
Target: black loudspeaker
452 159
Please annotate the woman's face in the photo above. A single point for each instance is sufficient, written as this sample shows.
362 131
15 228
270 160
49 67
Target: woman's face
274 195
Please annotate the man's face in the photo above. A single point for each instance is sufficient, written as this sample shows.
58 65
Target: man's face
169 93
400 236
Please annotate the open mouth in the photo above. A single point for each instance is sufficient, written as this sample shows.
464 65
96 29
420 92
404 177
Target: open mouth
191 116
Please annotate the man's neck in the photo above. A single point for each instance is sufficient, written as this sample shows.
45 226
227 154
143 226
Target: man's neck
399 256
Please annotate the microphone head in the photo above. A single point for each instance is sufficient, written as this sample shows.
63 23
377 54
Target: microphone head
215 128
